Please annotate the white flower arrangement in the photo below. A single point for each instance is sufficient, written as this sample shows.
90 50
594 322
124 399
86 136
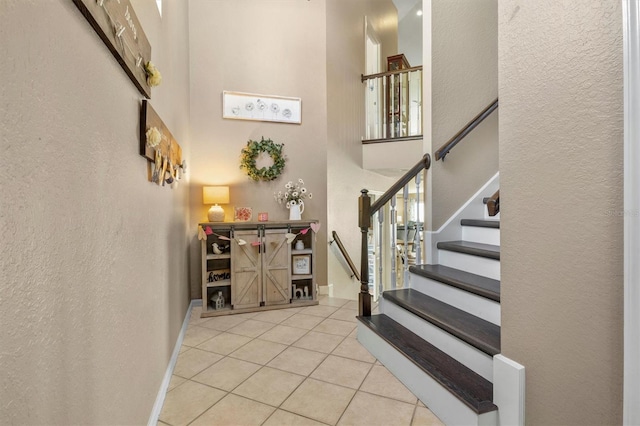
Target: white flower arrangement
294 194
154 78
154 137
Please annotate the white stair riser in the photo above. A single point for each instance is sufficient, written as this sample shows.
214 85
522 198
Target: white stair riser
475 264
479 306
440 401
478 234
461 351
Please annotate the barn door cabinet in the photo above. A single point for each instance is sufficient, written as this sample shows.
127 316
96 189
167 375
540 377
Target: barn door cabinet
253 267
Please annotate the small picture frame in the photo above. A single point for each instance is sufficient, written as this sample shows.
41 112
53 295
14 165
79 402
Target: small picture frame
301 264
242 214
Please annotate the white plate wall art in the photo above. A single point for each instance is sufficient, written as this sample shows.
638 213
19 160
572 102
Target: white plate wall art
249 106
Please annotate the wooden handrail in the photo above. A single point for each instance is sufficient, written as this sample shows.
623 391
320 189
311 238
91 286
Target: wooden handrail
364 78
493 204
444 149
345 254
423 164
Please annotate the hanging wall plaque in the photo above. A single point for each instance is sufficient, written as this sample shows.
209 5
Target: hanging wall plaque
118 27
157 144
249 106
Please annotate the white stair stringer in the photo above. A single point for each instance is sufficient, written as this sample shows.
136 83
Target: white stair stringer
461 351
479 234
440 401
466 262
487 309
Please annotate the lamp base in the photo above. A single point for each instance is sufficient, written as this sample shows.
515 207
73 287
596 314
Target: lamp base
216 214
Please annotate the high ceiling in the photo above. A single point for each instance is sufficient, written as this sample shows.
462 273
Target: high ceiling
404 7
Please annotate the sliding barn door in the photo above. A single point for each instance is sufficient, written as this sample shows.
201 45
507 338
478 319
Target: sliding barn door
276 284
246 264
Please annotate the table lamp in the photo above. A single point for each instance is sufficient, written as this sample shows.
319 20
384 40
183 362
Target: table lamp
215 195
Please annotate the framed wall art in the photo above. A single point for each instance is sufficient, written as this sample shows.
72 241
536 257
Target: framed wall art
248 106
301 264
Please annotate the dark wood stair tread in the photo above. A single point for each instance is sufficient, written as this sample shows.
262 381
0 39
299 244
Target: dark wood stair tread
476 284
468 386
481 223
475 331
477 249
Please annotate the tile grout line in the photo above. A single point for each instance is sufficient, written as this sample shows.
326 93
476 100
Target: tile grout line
262 366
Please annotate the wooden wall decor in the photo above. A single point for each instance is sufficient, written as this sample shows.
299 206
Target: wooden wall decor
167 156
118 27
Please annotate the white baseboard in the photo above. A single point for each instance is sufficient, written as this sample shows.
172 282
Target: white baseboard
509 390
325 290
157 407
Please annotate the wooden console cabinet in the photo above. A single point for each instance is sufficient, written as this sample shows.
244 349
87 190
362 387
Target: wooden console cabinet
256 268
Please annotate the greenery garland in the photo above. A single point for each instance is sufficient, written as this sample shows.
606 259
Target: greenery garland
250 153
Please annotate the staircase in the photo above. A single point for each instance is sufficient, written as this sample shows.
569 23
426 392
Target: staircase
440 335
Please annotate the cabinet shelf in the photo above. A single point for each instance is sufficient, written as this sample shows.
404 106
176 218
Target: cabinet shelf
219 256
224 283
301 277
304 251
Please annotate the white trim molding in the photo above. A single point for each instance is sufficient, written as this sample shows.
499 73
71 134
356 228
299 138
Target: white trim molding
631 46
157 407
509 390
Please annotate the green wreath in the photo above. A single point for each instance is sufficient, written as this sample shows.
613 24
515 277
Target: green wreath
250 153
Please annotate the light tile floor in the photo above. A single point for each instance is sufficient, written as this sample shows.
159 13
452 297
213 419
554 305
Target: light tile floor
295 366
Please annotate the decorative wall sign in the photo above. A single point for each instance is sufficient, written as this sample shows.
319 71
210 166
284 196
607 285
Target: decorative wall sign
158 146
218 275
247 106
118 27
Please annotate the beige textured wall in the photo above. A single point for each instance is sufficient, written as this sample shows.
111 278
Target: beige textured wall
345 102
93 257
274 47
464 80
561 158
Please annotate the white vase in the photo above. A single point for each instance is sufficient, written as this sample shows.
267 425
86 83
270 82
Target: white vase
295 211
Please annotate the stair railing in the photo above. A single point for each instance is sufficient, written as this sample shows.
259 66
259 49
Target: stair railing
444 149
366 211
393 102
345 255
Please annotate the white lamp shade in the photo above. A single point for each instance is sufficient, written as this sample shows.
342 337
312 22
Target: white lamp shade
215 195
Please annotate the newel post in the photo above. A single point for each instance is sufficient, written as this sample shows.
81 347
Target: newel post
364 222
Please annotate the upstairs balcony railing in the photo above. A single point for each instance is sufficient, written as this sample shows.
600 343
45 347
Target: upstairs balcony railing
393 105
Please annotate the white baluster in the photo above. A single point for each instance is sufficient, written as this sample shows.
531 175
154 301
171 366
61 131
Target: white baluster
416 240
393 239
380 238
405 266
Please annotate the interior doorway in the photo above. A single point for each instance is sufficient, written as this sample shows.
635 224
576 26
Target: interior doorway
372 66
